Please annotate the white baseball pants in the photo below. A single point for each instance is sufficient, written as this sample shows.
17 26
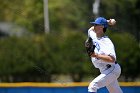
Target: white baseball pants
107 78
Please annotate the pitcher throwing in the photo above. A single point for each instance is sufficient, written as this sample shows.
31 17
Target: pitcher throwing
103 56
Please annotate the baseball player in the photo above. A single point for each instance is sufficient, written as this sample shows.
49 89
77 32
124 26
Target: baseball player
103 57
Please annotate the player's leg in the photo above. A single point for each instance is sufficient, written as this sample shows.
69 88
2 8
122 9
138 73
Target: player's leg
96 84
114 87
101 81
104 79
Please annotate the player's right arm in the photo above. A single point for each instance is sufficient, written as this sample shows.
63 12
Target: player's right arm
105 58
109 54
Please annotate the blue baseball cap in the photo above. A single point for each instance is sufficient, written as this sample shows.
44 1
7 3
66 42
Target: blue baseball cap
100 21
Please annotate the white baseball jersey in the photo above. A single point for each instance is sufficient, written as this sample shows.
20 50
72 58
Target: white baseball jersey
109 75
104 46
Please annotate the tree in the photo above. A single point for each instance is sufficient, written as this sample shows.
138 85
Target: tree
28 14
14 57
76 59
67 17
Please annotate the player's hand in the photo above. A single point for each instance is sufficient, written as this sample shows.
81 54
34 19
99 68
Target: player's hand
111 22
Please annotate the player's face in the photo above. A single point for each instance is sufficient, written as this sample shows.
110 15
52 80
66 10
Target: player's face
98 29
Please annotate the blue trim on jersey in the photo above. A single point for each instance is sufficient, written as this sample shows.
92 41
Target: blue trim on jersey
97 45
105 36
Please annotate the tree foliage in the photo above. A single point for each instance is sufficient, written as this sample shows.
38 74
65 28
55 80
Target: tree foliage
26 13
127 50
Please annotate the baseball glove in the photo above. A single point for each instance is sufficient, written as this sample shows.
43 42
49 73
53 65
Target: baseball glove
89 46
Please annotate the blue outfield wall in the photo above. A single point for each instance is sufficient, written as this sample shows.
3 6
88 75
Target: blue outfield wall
129 87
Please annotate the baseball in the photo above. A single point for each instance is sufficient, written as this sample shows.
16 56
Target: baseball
112 21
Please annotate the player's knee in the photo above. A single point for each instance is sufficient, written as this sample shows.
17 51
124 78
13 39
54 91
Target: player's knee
92 88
